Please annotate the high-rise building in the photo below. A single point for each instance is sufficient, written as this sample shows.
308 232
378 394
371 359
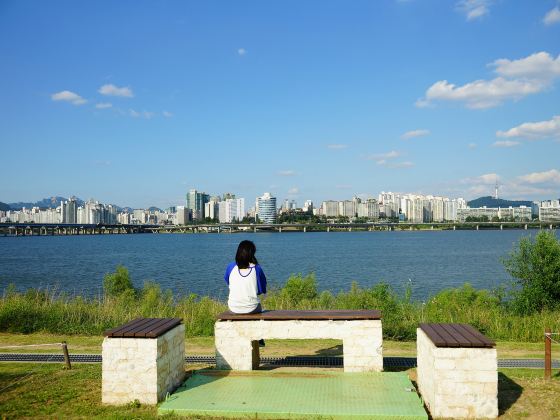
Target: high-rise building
329 208
266 208
182 216
195 202
212 208
368 209
232 210
308 205
69 210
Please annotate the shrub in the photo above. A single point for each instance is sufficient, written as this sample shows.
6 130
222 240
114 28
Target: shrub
115 284
535 266
298 288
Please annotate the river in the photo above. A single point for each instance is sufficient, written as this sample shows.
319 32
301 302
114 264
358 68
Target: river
195 263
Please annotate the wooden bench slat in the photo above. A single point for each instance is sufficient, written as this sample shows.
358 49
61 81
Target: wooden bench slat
115 332
482 339
459 338
456 335
163 328
144 328
150 326
436 338
131 331
473 339
347 315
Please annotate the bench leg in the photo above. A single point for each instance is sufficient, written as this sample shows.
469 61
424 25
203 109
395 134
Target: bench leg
255 355
363 354
233 350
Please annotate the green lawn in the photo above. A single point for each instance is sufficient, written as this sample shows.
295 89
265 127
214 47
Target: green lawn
205 346
47 390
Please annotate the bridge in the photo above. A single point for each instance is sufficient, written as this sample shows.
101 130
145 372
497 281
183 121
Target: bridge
47 229
349 227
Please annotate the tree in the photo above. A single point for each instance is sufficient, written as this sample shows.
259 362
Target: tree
117 283
535 266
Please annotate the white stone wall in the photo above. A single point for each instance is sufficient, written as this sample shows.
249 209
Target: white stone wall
457 382
362 341
143 369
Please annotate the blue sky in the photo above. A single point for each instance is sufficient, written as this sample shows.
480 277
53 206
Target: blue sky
135 102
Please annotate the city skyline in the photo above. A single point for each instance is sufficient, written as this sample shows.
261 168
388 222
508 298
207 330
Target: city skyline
135 103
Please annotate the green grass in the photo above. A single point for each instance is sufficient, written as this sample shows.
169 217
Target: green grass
58 313
47 390
78 344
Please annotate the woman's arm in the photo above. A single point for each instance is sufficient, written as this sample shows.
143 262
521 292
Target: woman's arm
261 280
229 268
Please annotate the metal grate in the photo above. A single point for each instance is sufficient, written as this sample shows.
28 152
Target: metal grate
43 357
308 361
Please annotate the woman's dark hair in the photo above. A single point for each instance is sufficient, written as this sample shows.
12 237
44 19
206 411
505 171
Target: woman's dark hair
245 254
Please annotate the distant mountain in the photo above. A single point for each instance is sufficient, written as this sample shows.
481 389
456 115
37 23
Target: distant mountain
45 203
489 201
54 202
154 209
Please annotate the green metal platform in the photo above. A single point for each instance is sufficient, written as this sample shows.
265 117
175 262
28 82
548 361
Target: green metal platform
302 394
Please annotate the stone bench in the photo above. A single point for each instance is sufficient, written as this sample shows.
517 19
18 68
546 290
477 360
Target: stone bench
143 360
360 331
457 371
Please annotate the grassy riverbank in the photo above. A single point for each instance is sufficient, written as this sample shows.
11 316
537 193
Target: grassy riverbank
44 311
522 393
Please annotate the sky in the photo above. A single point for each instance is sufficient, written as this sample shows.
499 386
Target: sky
136 102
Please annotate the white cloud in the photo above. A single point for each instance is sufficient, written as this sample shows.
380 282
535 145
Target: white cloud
486 179
516 79
167 114
506 143
141 114
293 191
472 146
530 186
241 52
552 17
337 146
474 9
384 156
534 130
387 160
551 177
415 133
68 96
480 93
103 105
538 66
286 173
112 90
396 165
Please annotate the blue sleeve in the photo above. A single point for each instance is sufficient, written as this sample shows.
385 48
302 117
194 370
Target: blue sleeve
261 280
229 268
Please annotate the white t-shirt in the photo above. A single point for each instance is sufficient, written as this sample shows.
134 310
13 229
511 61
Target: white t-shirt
244 287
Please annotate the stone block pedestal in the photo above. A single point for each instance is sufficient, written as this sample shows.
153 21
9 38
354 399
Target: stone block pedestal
458 382
237 341
143 369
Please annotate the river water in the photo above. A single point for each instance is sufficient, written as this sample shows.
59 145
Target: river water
195 263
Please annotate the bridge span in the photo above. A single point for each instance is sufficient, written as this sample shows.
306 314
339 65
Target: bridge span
48 229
